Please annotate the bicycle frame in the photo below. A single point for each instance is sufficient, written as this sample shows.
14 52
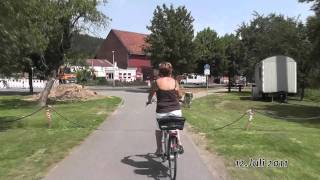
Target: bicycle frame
170 127
166 134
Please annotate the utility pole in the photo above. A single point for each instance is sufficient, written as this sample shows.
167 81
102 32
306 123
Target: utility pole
207 73
114 71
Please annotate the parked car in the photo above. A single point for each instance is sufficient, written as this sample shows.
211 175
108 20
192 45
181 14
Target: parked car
193 79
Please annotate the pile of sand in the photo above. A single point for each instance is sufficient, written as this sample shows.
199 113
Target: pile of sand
67 92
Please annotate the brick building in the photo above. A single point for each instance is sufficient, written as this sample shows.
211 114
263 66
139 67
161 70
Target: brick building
127 48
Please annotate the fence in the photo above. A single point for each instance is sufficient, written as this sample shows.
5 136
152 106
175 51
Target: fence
21 83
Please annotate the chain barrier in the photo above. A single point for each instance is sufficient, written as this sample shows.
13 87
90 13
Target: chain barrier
65 118
286 118
23 117
48 111
238 119
250 113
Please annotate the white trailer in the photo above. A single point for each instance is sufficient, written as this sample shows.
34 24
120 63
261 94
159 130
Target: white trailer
277 74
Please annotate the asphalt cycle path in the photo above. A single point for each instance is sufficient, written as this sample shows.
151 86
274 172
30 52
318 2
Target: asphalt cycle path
123 147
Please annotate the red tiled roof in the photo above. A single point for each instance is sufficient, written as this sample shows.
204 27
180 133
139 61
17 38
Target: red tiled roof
139 63
99 62
134 42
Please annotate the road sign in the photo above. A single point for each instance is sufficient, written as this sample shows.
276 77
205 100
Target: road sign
206 72
206 69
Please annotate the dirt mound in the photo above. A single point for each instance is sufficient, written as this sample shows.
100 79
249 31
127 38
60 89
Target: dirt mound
65 92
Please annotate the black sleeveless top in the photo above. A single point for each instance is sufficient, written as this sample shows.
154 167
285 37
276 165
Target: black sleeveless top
167 100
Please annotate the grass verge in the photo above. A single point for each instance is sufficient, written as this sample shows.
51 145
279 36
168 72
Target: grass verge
29 148
270 139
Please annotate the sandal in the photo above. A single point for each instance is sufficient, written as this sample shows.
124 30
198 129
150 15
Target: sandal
180 149
158 153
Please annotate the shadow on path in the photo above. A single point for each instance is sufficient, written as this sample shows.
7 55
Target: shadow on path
148 165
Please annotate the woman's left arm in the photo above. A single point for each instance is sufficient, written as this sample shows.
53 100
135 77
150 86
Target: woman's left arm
178 91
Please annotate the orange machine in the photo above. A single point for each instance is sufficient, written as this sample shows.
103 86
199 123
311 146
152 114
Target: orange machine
65 75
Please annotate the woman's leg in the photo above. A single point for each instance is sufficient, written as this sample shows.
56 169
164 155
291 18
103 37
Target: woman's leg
158 140
179 139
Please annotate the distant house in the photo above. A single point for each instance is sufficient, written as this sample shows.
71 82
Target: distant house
127 49
99 66
104 68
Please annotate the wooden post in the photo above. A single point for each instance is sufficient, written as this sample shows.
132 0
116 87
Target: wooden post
250 114
49 117
188 98
240 86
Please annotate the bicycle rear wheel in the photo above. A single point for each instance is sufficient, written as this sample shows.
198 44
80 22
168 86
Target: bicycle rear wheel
172 157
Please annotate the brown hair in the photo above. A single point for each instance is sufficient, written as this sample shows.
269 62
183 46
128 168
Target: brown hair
165 69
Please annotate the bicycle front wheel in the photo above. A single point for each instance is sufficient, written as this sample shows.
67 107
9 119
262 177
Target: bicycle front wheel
172 157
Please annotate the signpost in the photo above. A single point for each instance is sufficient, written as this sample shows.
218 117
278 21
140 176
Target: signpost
207 72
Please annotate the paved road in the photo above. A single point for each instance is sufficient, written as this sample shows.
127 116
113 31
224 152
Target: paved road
123 149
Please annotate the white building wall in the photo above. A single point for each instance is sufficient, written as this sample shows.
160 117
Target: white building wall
127 75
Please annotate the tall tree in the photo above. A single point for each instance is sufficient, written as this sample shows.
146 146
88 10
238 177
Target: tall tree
208 50
233 56
21 35
171 38
313 30
315 7
69 15
20 32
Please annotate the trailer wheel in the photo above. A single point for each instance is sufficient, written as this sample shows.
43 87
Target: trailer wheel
283 96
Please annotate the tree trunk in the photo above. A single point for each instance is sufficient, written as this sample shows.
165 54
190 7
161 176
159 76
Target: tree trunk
229 83
30 80
302 89
45 93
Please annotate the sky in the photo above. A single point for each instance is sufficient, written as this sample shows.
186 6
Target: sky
224 16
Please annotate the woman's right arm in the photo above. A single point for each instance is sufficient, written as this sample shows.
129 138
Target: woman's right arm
152 91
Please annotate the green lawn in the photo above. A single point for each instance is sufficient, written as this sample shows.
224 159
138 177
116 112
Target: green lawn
295 141
28 148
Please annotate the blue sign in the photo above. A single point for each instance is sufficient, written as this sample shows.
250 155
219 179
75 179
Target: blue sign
207 66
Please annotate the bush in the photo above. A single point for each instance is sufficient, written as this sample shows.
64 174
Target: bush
133 83
312 94
101 81
83 76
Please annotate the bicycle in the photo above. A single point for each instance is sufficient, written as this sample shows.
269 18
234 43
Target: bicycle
169 126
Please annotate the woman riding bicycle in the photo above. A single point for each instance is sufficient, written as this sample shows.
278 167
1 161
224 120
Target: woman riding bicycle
168 94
